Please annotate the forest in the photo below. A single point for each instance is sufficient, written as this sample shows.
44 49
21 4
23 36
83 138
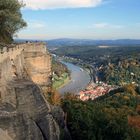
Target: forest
114 118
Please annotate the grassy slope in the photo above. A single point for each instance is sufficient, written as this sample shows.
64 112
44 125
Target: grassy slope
61 74
60 81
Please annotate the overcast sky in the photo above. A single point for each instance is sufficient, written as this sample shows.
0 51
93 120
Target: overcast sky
85 19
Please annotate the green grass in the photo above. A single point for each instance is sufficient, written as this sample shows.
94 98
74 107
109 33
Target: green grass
60 81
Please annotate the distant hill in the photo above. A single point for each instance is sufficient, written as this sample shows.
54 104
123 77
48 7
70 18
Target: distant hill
56 43
62 42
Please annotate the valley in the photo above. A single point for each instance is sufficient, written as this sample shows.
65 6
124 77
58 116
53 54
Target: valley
108 108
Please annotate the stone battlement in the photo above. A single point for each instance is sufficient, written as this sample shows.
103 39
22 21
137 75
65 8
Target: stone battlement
25 61
14 50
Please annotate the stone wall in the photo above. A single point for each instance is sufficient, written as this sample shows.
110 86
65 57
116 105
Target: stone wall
30 60
14 50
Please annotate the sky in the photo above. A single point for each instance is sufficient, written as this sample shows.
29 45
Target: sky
81 19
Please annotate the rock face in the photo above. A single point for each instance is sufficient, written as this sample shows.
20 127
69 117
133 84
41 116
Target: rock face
24 112
26 61
30 118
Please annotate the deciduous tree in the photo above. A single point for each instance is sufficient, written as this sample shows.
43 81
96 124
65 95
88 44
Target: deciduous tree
11 20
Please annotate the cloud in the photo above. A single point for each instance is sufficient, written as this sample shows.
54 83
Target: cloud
106 26
52 4
100 25
36 24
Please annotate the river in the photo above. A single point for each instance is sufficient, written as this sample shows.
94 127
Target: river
79 79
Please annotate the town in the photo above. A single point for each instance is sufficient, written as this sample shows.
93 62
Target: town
94 91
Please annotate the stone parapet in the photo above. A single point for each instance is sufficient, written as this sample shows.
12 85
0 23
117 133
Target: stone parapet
13 50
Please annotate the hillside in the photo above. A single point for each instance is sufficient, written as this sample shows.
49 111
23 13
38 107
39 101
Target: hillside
57 43
112 118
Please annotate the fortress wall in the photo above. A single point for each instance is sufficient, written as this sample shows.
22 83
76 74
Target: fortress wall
39 68
6 71
19 67
35 47
24 61
6 74
12 52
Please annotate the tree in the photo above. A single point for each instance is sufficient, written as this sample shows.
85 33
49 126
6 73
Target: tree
108 119
10 19
55 98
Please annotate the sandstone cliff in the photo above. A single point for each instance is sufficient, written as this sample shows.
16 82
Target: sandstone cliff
24 112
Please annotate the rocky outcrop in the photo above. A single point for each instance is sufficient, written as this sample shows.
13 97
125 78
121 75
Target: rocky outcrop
30 117
26 61
24 112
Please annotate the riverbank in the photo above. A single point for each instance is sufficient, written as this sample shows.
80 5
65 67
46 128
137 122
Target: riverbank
59 82
61 74
84 66
79 79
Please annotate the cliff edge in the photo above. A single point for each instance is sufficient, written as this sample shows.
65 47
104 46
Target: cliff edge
24 113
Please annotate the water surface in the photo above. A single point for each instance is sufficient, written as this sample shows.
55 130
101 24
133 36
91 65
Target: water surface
79 79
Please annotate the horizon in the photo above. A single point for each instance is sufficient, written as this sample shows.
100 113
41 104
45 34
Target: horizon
89 19
84 39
